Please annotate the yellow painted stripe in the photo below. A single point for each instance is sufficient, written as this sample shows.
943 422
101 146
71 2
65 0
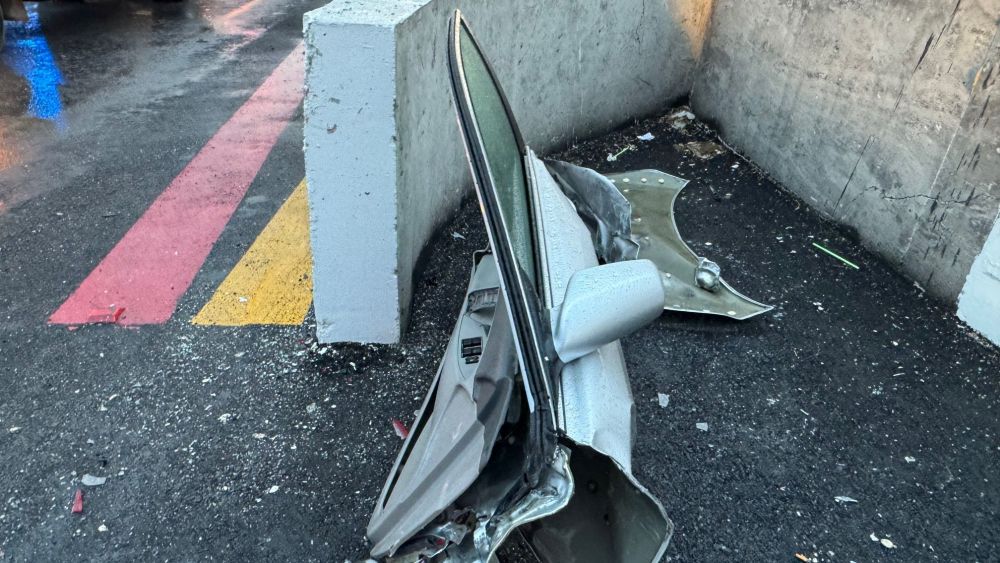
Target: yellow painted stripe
272 283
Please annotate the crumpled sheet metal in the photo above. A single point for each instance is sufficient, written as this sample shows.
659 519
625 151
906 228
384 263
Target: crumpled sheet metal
652 195
602 208
631 215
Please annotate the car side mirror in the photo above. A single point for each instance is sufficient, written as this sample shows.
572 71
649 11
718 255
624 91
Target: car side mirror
605 303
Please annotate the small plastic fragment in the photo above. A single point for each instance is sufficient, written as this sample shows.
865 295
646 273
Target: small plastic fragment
614 157
703 426
646 137
886 542
400 429
93 481
835 255
801 557
78 502
457 235
663 399
105 316
844 500
910 459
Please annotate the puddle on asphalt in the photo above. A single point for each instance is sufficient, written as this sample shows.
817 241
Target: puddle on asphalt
28 54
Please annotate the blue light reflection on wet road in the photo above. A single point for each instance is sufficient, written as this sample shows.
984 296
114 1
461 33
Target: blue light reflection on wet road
27 53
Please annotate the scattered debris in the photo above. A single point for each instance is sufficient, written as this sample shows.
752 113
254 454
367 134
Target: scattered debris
14 429
93 480
457 235
646 137
225 418
400 429
844 500
259 435
78 502
663 399
680 119
614 157
837 256
105 316
273 489
801 557
704 150
910 459
102 528
311 408
703 426
886 542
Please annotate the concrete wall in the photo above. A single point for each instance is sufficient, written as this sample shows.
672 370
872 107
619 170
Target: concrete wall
571 70
878 113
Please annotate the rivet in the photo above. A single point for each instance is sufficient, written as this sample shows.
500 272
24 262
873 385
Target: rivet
662 181
625 180
731 313
613 180
643 180
637 220
625 190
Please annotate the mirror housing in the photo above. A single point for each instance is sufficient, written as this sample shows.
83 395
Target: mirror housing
605 303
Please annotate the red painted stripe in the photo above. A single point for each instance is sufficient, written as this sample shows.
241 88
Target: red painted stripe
154 263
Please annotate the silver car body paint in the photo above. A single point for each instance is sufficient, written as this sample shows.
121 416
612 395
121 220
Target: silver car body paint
693 283
474 467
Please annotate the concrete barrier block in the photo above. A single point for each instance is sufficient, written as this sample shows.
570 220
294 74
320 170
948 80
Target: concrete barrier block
384 158
350 152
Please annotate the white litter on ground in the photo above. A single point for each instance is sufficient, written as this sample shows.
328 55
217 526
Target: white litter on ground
93 481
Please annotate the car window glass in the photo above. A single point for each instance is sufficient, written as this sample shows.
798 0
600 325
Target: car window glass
503 153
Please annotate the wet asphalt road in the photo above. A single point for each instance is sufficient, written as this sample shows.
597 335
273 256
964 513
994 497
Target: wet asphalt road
101 106
253 444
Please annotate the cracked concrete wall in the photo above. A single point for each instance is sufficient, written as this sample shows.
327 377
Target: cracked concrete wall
878 113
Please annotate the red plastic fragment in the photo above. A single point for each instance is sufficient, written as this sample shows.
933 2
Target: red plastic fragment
400 429
78 502
105 316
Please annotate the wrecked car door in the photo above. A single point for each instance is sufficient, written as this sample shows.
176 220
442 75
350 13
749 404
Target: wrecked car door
528 423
